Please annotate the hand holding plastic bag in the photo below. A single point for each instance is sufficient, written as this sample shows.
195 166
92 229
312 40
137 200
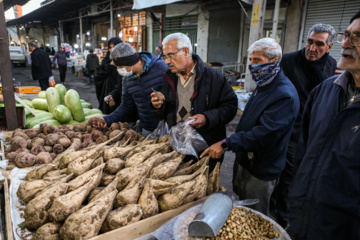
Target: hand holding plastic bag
186 140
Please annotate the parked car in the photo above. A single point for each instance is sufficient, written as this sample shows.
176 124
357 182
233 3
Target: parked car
17 55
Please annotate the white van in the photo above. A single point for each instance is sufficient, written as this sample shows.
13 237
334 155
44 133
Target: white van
17 55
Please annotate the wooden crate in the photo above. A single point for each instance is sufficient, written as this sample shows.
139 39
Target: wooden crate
129 232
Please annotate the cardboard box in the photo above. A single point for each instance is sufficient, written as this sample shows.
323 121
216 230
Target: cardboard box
27 89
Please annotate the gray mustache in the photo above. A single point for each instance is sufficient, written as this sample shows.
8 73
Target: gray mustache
351 52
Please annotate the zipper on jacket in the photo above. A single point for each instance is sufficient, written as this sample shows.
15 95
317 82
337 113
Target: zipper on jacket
256 90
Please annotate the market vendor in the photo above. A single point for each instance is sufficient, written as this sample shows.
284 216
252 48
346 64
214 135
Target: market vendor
141 72
193 90
262 135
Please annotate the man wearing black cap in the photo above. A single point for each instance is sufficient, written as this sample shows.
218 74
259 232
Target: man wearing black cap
142 73
325 197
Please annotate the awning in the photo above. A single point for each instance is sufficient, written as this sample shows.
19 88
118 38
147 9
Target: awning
52 13
141 4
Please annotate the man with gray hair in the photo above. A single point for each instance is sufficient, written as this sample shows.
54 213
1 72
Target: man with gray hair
262 135
142 73
193 90
305 68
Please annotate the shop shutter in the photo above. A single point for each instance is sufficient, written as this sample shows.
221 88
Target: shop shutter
185 24
337 13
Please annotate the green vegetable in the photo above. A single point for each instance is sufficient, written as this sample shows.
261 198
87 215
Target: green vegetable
40 120
93 111
93 115
82 100
62 114
52 122
28 102
42 94
52 98
72 122
62 91
72 101
86 105
40 103
86 110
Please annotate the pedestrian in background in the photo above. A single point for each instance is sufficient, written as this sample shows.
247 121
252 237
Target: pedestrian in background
92 62
262 135
106 78
60 57
306 69
40 65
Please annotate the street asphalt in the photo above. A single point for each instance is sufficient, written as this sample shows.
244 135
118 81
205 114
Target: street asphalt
87 92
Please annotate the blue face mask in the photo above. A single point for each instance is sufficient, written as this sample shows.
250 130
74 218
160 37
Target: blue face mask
263 74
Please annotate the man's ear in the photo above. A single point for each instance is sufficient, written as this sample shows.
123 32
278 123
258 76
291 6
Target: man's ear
330 46
186 51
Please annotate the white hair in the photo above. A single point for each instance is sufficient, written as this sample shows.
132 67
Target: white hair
268 46
182 41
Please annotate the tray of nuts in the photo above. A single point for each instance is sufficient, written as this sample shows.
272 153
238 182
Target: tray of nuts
242 223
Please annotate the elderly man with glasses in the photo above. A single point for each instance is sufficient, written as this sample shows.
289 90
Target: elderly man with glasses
325 196
193 90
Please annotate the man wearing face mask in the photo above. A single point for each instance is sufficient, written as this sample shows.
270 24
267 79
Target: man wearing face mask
142 73
262 135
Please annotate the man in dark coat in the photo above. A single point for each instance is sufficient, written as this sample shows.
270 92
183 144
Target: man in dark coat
40 66
60 56
194 91
262 135
325 195
306 69
106 78
142 72
92 62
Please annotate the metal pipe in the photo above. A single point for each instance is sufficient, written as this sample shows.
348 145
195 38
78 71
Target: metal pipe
81 36
6 74
111 20
302 24
275 18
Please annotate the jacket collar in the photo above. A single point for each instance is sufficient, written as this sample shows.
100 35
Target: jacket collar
343 80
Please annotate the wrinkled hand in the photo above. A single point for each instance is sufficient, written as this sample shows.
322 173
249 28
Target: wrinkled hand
97 122
214 151
199 122
155 101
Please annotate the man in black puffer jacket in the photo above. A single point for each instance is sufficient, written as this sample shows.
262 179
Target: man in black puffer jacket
193 90
141 72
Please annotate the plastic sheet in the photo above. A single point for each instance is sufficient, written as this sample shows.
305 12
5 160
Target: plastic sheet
161 130
186 140
17 208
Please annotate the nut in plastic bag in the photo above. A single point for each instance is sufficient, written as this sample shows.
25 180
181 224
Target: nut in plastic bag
186 140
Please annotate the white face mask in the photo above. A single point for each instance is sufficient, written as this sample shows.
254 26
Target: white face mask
124 73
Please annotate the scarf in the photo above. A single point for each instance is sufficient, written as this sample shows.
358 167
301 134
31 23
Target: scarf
264 74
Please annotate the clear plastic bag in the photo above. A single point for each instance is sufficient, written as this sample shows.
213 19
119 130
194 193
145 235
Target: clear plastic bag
52 81
161 130
186 140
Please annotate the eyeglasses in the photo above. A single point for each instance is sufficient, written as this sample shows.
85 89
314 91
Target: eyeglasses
354 39
171 55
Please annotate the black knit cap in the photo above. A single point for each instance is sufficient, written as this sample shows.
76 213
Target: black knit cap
355 17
